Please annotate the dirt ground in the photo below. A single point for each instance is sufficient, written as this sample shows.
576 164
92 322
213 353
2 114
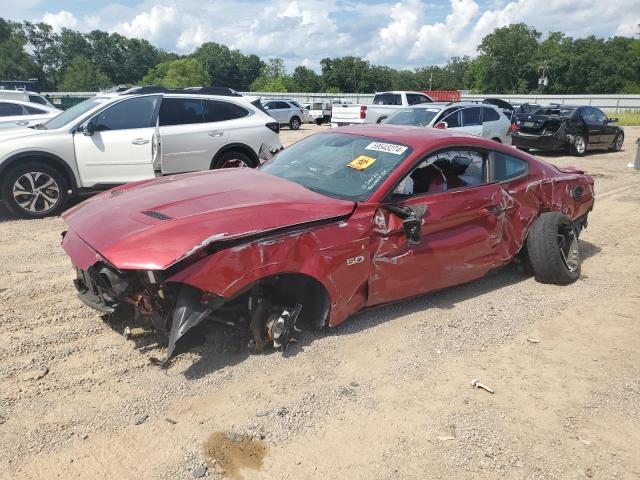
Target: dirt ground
385 396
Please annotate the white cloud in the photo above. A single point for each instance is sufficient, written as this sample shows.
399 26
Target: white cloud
401 33
60 20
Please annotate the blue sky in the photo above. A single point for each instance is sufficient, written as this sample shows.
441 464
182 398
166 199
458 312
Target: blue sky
402 33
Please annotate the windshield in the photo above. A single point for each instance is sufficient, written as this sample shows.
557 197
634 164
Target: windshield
348 167
418 117
73 113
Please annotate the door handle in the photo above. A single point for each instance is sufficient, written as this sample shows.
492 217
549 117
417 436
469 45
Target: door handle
140 141
216 133
22 123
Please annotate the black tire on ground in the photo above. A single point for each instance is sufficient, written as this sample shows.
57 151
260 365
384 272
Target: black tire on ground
579 145
496 139
381 119
46 190
318 121
294 123
552 248
234 159
618 142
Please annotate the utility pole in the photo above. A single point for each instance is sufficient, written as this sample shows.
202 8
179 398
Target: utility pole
543 81
430 80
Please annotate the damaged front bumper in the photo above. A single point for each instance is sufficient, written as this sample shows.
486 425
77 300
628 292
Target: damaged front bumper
549 141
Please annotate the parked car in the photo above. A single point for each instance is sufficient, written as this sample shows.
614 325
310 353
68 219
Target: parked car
384 105
14 113
25 96
320 110
138 134
340 221
567 127
287 112
486 121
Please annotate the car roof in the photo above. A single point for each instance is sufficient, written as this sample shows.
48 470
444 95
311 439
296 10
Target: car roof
29 104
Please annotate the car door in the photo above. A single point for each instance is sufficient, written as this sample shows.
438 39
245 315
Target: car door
491 123
117 145
451 117
278 110
10 113
595 128
461 228
471 118
187 143
608 132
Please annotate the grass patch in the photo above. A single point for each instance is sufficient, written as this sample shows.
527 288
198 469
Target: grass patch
626 118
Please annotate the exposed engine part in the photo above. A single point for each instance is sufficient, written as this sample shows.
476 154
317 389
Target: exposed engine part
280 328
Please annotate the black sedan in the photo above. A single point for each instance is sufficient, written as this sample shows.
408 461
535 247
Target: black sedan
567 127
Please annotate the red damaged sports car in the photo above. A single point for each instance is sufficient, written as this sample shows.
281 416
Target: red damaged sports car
338 222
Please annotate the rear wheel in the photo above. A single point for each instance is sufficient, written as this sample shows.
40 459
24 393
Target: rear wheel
618 142
496 139
318 121
34 190
579 145
552 248
294 123
234 159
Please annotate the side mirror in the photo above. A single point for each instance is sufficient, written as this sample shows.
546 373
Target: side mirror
412 221
612 120
88 128
413 230
441 125
267 108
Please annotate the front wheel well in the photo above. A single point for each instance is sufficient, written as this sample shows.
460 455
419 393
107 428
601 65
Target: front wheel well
48 159
291 288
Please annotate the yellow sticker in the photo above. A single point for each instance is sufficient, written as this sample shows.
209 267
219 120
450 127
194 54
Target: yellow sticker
361 162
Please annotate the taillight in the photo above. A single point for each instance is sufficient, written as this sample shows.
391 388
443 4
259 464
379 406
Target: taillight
302 111
275 126
363 112
513 128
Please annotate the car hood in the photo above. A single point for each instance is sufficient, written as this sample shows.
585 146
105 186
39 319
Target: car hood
9 133
153 224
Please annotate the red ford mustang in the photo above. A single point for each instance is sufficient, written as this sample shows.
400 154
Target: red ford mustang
338 222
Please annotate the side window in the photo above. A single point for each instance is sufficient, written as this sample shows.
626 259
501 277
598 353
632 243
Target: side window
588 115
506 167
387 99
33 110
490 115
37 99
600 116
445 170
282 105
180 111
10 109
219 111
452 117
128 114
471 116
414 99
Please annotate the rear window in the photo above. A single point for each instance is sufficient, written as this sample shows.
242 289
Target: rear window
219 111
418 117
415 99
506 167
37 99
387 99
180 111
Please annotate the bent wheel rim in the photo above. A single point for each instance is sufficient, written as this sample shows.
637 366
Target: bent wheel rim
568 247
234 163
36 192
580 144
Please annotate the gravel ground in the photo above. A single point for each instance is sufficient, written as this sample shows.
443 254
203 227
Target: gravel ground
387 395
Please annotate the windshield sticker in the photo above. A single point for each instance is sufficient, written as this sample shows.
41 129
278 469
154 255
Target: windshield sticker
361 162
386 147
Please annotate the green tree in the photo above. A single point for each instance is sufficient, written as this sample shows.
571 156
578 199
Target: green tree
228 68
348 74
269 84
305 80
82 76
511 50
15 62
186 72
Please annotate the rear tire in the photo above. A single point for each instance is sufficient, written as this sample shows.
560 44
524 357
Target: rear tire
318 121
34 190
552 248
234 159
496 139
294 123
579 145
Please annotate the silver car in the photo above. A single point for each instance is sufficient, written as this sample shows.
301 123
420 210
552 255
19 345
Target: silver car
483 120
287 112
14 113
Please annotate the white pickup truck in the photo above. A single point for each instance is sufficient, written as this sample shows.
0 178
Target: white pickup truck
384 104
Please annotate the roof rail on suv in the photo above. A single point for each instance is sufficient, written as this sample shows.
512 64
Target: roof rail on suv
222 91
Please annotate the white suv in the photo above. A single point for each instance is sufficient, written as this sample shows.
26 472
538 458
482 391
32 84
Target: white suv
287 112
122 137
14 113
483 120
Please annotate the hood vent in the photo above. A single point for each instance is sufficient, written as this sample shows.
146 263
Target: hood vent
156 215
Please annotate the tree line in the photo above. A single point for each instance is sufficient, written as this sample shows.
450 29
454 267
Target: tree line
511 59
